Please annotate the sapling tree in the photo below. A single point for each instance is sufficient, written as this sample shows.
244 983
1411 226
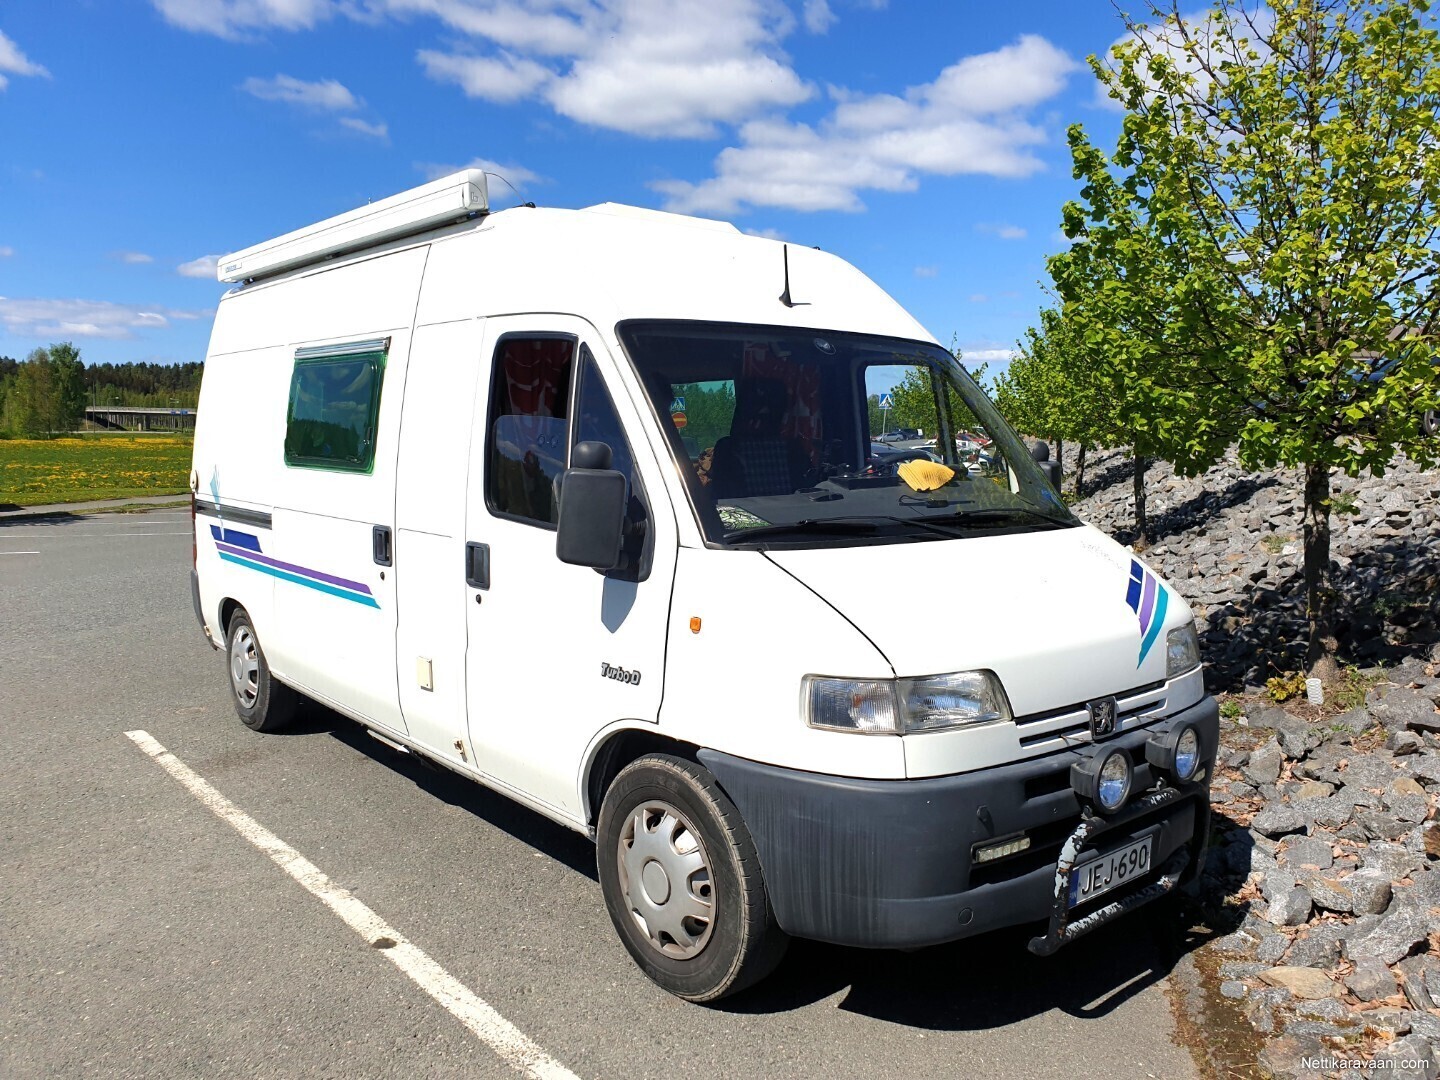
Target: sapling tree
1257 257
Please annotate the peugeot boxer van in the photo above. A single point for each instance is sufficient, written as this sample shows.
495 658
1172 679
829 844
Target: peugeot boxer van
581 505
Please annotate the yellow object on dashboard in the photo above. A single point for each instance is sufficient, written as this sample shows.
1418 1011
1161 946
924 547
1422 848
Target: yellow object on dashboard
925 475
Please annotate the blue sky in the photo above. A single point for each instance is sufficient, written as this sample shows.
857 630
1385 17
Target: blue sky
924 142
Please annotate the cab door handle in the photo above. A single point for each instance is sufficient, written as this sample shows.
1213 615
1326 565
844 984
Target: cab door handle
380 545
477 565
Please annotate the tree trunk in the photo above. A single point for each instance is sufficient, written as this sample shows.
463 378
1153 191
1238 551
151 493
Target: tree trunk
1142 524
1319 597
1060 457
1080 473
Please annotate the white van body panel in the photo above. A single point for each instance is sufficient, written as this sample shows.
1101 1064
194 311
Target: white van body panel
1045 611
331 625
541 632
736 684
435 436
610 268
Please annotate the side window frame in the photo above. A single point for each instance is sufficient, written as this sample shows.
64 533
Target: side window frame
587 366
490 417
375 354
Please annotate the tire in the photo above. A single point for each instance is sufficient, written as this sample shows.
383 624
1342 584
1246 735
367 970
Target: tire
1430 422
720 936
262 703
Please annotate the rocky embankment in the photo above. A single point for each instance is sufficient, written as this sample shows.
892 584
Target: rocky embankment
1323 880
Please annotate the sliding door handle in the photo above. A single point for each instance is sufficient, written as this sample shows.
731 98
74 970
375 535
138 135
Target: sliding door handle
477 565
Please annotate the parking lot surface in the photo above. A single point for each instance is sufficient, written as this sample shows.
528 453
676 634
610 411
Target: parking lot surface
143 934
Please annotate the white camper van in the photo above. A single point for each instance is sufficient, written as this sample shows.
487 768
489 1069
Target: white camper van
581 504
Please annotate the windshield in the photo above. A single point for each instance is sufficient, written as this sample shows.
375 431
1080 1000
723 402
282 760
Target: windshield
812 437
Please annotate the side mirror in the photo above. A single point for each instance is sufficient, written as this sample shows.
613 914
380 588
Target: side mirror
1040 452
592 510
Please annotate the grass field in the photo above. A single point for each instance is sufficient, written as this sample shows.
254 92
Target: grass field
38 472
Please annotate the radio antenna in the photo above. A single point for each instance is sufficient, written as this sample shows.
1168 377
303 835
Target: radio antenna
785 296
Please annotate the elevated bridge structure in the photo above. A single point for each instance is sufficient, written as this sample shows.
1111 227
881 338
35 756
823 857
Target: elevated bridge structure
132 418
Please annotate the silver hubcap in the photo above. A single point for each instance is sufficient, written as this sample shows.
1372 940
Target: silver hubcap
665 880
244 666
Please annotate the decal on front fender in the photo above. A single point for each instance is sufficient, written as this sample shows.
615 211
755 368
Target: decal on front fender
1148 599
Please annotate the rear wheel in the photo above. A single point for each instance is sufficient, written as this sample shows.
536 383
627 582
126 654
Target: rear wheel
1430 422
261 703
682 881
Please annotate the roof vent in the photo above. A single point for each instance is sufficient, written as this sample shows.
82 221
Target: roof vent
451 198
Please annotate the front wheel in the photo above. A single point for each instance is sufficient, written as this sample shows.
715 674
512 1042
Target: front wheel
1430 422
682 881
262 703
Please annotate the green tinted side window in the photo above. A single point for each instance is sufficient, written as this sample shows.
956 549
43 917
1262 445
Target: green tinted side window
334 409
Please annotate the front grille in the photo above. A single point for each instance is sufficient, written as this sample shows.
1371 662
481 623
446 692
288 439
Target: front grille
1070 725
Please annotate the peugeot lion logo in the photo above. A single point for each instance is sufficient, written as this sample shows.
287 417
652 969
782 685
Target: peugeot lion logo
1102 717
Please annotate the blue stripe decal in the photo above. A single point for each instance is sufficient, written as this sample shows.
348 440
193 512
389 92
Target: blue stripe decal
1162 596
1133 596
239 539
320 586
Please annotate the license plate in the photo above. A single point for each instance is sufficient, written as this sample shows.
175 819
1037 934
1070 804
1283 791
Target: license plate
1110 871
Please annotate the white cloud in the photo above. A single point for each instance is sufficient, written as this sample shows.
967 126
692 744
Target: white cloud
766 234
1002 230
678 68
1168 40
987 356
545 29
134 258
203 267
818 16
959 123
6 252
85 318
978 298
375 131
501 79
516 174
240 18
927 271
15 62
327 95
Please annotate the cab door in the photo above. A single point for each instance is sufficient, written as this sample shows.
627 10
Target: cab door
556 652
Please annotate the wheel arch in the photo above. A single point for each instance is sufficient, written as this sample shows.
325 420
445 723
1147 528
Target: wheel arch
616 748
228 606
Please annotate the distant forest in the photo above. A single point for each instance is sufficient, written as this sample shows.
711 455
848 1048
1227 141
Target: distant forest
48 390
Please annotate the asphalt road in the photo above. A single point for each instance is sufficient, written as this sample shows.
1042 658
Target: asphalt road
141 935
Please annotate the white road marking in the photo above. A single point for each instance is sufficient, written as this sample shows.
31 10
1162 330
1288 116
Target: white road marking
503 1037
19 553
94 536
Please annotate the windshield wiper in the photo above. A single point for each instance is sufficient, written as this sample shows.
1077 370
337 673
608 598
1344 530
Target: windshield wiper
997 515
807 525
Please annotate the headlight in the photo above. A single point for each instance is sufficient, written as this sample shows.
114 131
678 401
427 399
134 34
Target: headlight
902 706
1182 650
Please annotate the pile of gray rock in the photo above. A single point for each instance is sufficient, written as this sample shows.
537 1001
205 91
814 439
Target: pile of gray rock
1230 541
1327 855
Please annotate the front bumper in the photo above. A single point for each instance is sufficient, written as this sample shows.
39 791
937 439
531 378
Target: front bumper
887 863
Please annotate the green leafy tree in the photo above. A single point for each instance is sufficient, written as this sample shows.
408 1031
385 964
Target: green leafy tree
1260 248
68 406
32 397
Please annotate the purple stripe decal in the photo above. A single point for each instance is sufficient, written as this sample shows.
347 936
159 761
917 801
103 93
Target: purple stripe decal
1147 601
255 556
